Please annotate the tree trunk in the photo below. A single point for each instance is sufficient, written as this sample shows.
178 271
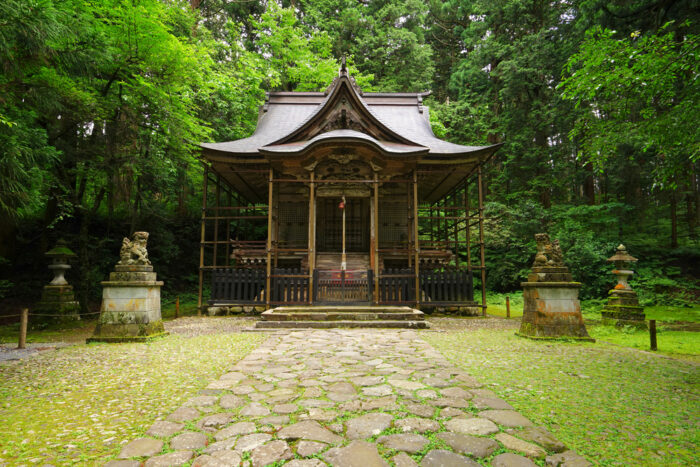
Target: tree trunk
589 184
541 145
691 200
135 206
674 221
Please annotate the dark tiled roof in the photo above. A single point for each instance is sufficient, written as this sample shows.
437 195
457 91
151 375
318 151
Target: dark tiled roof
402 114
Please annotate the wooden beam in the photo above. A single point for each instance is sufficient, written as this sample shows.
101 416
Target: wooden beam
481 240
270 186
205 187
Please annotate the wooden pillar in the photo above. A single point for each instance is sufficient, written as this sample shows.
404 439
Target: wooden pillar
467 221
205 188
217 211
456 227
409 225
374 257
269 239
276 218
416 238
228 228
311 258
445 233
482 257
431 223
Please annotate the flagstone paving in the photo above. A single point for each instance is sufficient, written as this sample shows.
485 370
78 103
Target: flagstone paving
346 398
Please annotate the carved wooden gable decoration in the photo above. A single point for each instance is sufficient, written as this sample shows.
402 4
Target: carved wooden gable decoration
344 109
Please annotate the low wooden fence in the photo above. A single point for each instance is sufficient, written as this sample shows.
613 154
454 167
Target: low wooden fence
438 287
343 287
290 287
446 287
238 286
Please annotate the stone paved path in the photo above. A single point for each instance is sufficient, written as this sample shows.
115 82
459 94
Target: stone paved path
345 398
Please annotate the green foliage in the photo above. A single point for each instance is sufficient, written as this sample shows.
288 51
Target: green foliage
639 90
102 105
385 37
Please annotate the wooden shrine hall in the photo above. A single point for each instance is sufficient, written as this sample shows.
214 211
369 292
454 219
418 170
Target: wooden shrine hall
342 198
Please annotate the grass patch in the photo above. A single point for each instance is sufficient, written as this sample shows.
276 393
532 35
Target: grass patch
497 304
665 313
614 405
75 406
75 331
188 306
668 341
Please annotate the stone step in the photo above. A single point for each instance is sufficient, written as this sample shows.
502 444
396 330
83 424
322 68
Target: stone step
406 324
340 316
343 313
348 309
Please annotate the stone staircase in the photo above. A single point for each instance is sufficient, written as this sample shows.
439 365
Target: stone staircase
323 317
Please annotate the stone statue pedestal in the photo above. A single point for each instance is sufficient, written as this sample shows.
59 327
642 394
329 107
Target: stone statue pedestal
551 308
130 309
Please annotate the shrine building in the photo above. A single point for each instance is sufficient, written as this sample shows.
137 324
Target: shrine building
343 198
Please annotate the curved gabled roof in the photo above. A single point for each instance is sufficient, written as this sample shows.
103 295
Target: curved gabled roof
340 136
395 123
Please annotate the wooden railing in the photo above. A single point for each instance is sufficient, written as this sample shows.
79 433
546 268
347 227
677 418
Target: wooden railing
438 287
343 287
289 287
446 287
396 287
237 286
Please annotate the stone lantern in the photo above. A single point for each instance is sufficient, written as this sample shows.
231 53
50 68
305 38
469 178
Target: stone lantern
623 307
57 297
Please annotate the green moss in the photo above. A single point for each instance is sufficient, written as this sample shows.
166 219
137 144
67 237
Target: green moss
613 405
75 405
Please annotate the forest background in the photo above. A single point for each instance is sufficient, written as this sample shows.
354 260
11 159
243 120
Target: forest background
102 105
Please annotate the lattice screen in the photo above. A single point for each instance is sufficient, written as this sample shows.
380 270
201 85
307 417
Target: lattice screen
294 224
393 224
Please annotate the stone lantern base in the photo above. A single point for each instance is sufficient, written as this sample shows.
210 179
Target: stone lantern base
58 301
623 309
130 306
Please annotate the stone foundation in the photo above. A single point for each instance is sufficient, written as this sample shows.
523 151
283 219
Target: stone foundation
226 310
59 301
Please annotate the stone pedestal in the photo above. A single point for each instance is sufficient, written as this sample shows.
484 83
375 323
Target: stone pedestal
551 309
623 307
130 306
